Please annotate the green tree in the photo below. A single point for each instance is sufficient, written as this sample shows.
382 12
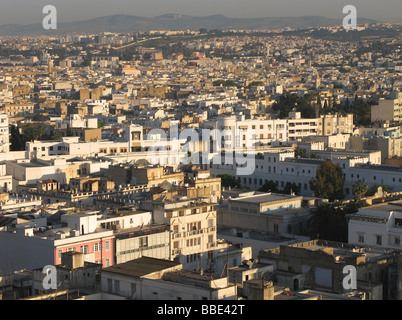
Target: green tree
359 188
229 181
329 220
288 102
291 188
256 84
269 186
373 189
328 182
31 133
16 139
56 136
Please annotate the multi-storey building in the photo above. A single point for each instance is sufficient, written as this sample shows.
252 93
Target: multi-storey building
33 248
379 226
333 124
231 130
389 143
282 167
4 134
389 109
18 109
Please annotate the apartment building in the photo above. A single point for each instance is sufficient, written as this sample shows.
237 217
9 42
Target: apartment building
28 172
333 124
192 223
137 174
389 143
232 129
72 146
4 134
378 226
21 109
33 248
156 279
318 265
335 141
281 167
274 214
389 109
200 184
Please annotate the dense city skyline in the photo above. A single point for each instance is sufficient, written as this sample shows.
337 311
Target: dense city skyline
198 151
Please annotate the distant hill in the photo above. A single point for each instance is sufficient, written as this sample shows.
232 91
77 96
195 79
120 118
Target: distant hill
127 23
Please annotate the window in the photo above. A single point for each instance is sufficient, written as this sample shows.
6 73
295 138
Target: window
116 286
107 245
360 238
107 262
133 289
84 249
96 247
397 240
59 252
379 240
143 242
109 285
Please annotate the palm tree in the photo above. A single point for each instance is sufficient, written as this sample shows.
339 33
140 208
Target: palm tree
359 188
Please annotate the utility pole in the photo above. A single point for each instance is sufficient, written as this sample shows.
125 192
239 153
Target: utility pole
234 279
262 287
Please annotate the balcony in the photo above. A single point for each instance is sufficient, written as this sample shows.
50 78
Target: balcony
211 245
212 229
176 235
193 232
176 251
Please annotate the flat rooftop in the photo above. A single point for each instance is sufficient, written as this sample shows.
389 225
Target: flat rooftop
384 207
141 267
266 197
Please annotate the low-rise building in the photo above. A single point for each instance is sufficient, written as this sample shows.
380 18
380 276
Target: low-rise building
155 279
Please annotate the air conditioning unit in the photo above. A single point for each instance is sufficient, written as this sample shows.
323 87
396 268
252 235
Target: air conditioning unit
74 233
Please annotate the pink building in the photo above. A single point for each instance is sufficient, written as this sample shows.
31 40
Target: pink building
29 248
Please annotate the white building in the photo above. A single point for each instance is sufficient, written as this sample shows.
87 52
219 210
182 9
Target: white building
155 279
4 134
266 131
281 167
377 226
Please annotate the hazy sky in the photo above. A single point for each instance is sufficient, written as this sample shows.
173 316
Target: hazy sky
30 11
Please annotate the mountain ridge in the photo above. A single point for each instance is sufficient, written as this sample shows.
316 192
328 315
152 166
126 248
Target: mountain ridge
123 23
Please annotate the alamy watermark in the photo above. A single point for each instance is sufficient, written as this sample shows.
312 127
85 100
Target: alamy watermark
205 146
350 21
350 279
50 20
50 279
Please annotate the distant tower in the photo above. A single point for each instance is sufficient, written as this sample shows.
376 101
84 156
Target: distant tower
50 66
267 51
317 81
